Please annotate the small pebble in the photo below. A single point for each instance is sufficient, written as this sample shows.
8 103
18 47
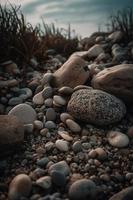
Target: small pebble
38 99
65 135
47 92
58 178
44 182
48 102
74 127
62 145
59 100
50 114
38 124
61 166
65 90
65 116
50 125
77 146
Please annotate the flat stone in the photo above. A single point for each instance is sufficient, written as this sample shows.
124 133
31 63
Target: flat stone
95 50
65 116
50 114
65 90
62 145
73 126
15 101
38 99
65 135
59 100
24 112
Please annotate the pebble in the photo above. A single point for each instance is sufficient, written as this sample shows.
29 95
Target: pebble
38 99
73 126
82 189
65 90
47 78
28 128
65 135
101 154
48 102
42 162
50 125
125 194
50 114
77 146
15 101
79 87
47 92
44 131
117 139
44 182
130 132
49 146
62 145
65 116
19 187
61 166
24 112
58 178
59 100
38 124
92 154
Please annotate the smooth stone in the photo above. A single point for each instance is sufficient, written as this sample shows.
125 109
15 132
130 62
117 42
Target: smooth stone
61 166
19 187
62 145
47 78
48 102
44 182
49 146
117 139
82 189
65 135
50 114
15 101
11 132
125 194
92 154
24 112
73 126
59 100
96 107
79 87
38 99
77 146
58 178
42 162
65 90
65 116
95 50
38 124
9 83
47 92
101 153
50 125
116 36
26 91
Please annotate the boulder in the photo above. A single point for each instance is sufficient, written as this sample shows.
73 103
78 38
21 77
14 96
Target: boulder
95 51
96 107
11 132
116 36
73 72
117 80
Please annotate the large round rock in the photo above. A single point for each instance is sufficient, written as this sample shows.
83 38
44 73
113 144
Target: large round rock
125 194
96 106
82 189
24 112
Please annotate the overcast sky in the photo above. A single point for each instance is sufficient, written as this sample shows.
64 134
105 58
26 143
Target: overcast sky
84 15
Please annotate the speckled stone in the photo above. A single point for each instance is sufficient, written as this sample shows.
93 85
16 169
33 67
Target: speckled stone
96 106
125 194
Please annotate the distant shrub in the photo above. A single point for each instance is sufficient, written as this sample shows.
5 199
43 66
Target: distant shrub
122 20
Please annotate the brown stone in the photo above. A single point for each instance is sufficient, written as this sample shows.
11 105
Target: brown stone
117 80
11 132
73 72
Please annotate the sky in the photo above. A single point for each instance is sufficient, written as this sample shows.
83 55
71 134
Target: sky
85 16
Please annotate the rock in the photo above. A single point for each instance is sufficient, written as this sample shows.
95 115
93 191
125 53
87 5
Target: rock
24 112
25 93
47 78
130 132
11 132
117 139
65 135
61 166
95 50
19 187
47 92
58 178
50 125
79 87
15 101
73 126
28 128
62 145
72 73
59 100
44 182
42 162
82 189
117 80
125 194
77 146
50 114
81 54
119 54
38 124
48 102
116 36
65 116
9 83
65 90
38 99
101 153
96 107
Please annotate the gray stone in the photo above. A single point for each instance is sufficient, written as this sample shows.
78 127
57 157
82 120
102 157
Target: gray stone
47 92
73 126
96 106
15 101
50 114
45 182
58 178
125 194
24 112
50 125
61 166
77 146
62 145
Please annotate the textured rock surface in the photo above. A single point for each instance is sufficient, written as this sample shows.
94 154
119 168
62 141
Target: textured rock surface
72 73
96 106
11 132
125 194
117 80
